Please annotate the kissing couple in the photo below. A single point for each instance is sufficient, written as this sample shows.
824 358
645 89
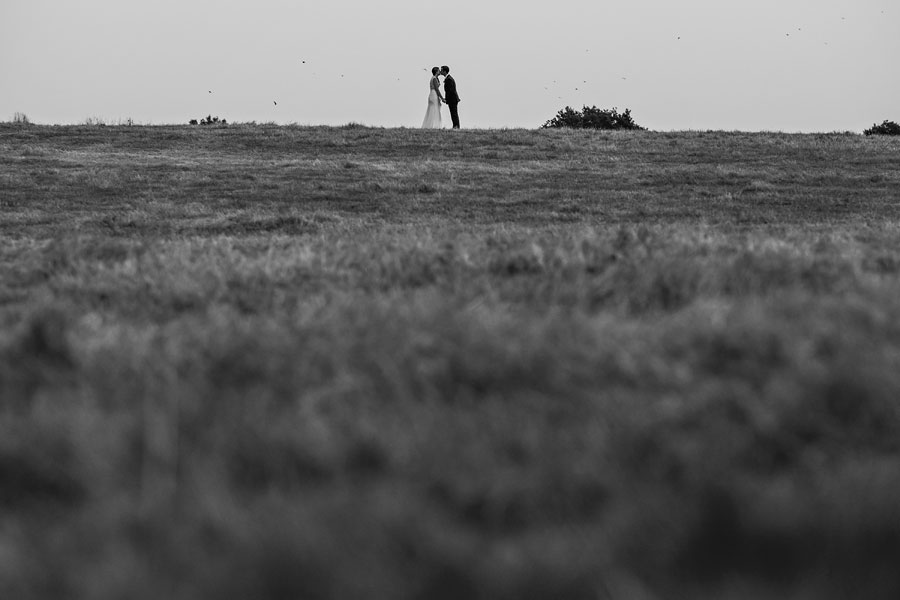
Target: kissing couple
435 98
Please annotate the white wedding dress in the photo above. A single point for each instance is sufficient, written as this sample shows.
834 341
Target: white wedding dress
433 114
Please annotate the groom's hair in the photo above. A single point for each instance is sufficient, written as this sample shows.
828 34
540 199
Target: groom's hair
435 70
445 69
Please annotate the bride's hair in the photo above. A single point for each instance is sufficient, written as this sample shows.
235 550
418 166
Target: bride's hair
435 71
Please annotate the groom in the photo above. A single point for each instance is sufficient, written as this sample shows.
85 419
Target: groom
450 95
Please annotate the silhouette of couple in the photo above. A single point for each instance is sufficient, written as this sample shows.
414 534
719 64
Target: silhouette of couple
435 98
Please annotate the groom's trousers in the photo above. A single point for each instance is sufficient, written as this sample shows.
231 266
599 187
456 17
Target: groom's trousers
454 115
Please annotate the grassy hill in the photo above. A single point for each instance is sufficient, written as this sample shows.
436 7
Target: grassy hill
274 362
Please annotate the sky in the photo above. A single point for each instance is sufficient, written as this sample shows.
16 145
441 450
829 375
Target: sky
755 65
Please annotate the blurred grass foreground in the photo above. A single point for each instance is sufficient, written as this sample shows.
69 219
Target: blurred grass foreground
283 362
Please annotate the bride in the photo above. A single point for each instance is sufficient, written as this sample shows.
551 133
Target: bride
433 114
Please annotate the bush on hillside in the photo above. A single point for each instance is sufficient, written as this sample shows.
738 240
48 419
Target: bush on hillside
886 128
209 120
21 119
591 117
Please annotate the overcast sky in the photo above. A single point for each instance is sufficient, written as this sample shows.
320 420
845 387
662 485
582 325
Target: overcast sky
788 65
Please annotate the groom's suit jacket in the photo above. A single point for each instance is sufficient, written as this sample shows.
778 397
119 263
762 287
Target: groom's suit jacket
450 95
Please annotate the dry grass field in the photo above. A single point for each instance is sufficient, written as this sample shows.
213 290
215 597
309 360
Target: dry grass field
280 362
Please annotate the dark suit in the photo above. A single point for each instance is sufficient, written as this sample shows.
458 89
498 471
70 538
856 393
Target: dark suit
452 99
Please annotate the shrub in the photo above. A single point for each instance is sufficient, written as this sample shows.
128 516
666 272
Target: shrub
209 120
886 128
20 119
591 117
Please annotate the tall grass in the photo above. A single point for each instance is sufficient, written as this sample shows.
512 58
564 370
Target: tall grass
286 362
